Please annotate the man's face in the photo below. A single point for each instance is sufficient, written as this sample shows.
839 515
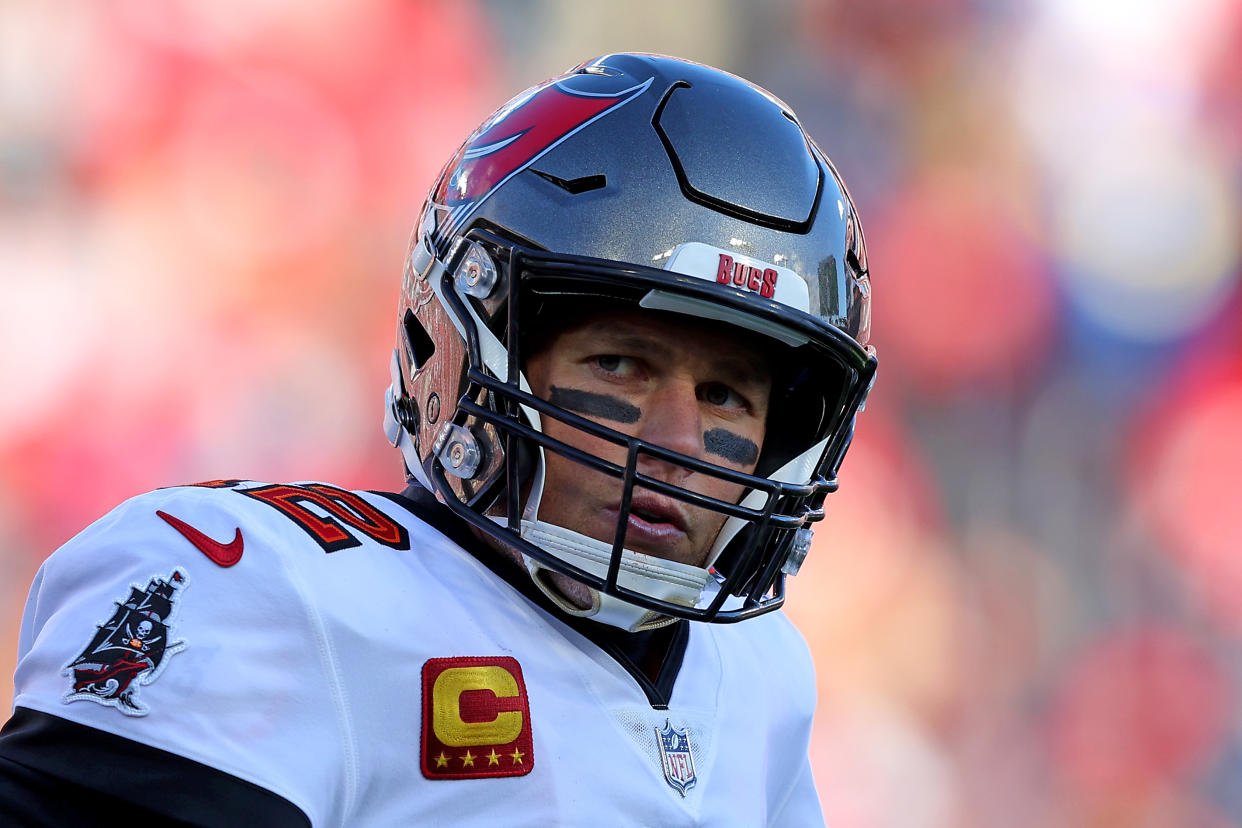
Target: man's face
697 388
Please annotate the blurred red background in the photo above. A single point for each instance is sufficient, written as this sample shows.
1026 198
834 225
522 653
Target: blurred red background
1026 603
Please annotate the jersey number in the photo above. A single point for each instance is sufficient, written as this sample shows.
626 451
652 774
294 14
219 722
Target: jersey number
328 515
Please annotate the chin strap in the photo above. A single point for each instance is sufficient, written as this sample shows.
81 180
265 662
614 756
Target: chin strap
669 581
665 580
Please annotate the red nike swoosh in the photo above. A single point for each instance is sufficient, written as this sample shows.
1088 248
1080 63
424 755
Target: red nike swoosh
224 554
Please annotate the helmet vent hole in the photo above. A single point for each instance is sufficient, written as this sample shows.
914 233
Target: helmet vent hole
417 340
575 186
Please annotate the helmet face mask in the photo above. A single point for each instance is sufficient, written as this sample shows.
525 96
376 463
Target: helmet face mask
492 271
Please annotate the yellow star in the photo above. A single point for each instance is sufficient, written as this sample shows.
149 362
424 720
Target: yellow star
467 761
517 756
441 760
493 758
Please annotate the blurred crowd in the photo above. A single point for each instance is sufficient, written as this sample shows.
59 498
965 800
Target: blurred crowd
1026 603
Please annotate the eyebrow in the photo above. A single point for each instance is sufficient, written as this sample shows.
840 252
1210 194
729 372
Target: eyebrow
741 368
730 446
591 404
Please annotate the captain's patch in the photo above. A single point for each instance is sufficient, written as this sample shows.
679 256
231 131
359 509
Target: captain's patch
131 648
476 718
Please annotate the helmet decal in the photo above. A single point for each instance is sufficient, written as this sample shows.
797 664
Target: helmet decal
520 133
768 280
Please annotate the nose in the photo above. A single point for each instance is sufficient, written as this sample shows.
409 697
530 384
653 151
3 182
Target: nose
671 419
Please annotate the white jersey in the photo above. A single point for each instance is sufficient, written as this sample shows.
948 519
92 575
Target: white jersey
336 651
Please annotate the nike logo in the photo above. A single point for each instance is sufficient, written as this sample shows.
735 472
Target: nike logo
224 554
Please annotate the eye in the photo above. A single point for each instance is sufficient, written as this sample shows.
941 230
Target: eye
722 396
615 364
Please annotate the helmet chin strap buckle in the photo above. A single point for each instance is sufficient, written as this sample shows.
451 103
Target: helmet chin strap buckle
797 552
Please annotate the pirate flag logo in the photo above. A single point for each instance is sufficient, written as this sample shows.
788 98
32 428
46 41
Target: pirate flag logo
130 649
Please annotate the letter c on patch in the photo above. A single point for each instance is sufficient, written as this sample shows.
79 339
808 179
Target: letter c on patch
447 722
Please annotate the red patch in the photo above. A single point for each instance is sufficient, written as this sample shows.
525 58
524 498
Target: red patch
476 718
224 554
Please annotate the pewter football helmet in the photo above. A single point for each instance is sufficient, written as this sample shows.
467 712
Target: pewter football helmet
638 181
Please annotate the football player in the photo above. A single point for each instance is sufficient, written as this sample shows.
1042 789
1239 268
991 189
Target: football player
631 345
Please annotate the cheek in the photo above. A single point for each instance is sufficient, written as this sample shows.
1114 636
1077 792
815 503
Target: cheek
568 484
579 440
721 490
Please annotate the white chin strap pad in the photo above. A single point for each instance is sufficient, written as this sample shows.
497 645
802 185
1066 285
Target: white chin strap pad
665 580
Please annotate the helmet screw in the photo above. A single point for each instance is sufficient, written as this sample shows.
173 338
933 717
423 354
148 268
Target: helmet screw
433 407
458 451
476 275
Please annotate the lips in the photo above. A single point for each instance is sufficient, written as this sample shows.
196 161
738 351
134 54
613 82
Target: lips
655 509
655 521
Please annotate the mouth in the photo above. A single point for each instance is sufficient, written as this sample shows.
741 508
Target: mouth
654 521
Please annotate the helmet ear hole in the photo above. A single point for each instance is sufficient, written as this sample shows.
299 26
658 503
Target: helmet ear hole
417 340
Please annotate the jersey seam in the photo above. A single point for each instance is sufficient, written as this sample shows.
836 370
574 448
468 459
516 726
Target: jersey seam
329 667
790 790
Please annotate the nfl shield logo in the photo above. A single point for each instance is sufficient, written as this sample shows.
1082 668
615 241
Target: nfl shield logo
676 757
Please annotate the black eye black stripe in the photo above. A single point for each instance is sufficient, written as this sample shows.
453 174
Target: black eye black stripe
590 404
717 441
730 446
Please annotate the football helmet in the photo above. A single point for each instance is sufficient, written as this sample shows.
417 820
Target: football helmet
633 181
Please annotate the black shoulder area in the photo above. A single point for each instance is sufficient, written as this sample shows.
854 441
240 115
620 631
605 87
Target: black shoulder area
57 772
